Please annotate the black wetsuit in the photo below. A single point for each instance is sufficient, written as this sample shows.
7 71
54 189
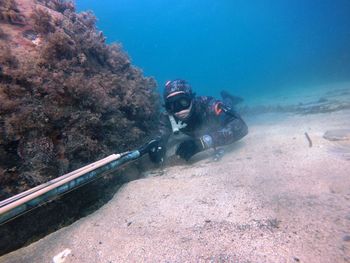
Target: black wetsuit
208 119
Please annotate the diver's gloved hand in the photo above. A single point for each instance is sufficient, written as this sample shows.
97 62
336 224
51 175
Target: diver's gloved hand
157 152
190 147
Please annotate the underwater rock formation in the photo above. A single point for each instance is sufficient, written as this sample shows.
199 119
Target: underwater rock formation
336 100
340 142
10 13
66 97
337 135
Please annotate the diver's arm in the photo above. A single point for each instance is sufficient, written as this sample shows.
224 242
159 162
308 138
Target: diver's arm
233 127
233 130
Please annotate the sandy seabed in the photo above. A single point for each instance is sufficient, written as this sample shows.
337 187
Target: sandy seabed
271 198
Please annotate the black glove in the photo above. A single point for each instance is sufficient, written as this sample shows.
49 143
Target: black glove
157 152
190 147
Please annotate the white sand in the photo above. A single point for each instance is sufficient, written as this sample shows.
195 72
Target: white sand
270 199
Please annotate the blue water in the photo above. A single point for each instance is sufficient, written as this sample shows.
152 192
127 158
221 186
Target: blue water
249 47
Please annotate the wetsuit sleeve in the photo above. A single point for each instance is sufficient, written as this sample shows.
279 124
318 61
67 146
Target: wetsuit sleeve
232 129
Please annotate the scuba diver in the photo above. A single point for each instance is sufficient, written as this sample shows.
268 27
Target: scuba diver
208 122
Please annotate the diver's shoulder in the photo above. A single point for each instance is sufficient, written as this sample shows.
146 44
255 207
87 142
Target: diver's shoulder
208 104
204 99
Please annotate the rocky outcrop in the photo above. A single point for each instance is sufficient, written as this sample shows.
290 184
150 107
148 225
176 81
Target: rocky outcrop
66 97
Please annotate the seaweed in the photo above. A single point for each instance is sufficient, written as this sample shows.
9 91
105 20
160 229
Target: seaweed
68 102
59 5
59 46
10 13
88 19
7 60
3 35
62 5
43 21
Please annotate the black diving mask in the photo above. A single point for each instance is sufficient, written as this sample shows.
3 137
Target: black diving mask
178 103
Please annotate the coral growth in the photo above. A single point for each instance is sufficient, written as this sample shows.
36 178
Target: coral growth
72 101
10 13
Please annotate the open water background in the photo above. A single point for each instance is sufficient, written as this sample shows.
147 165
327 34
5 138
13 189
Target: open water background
252 48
